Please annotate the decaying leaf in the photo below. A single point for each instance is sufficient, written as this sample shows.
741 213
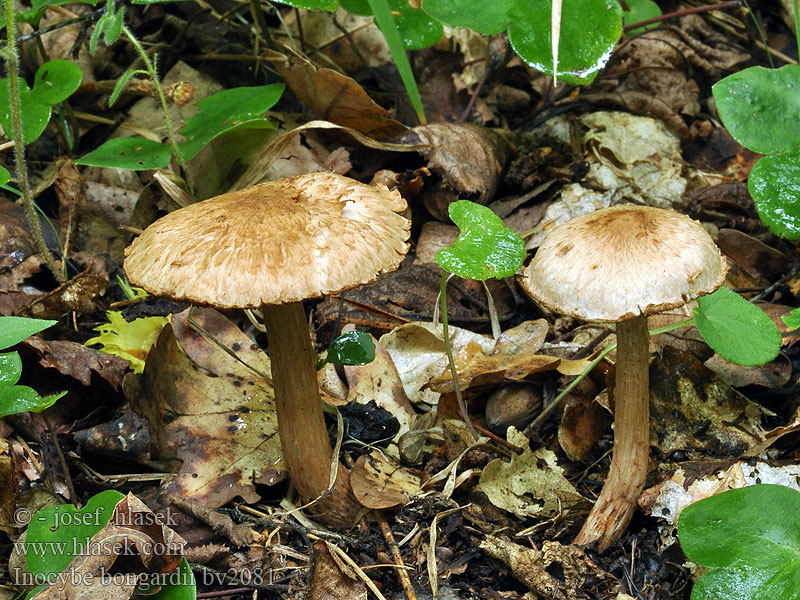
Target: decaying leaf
692 408
379 482
332 578
556 572
209 411
531 484
513 357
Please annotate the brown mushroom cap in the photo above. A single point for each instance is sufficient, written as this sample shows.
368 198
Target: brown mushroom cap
620 262
283 241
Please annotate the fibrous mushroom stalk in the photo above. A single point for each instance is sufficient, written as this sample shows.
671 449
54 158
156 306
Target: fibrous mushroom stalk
628 471
307 452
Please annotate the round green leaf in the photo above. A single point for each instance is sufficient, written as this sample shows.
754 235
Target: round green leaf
736 329
589 30
352 348
483 17
640 10
792 320
774 184
55 81
58 533
761 107
750 540
35 113
484 247
135 154
10 368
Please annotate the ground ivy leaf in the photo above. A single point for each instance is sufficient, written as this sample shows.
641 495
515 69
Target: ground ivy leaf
483 17
736 329
761 107
55 81
484 248
749 539
351 348
774 184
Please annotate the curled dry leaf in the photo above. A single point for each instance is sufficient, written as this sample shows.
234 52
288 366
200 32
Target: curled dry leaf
468 158
531 484
335 97
209 411
513 357
379 482
78 361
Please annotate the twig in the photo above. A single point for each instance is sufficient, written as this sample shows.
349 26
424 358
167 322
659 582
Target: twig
684 12
396 556
61 459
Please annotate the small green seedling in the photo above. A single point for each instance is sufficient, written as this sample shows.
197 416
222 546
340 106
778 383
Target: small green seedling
761 108
485 248
792 320
638 11
219 113
748 539
19 398
58 534
54 82
351 348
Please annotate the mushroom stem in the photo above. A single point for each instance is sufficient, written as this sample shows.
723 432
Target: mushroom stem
629 463
306 448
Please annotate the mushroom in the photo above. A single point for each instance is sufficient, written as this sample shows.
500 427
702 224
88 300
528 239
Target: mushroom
619 265
271 246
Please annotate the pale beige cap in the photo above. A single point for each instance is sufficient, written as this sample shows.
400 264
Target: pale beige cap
617 263
283 241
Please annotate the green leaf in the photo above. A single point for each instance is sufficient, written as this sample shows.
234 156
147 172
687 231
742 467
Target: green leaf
35 14
121 81
15 399
589 31
227 110
58 533
484 247
15 329
135 154
352 348
792 320
417 29
640 10
483 17
5 176
387 24
35 113
761 107
10 369
113 29
329 5
774 184
736 329
749 538
55 81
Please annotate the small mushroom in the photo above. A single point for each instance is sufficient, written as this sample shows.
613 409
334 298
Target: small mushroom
271 246
619 265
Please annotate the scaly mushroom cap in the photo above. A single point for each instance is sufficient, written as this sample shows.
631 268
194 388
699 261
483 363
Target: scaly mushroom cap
620 262
283 241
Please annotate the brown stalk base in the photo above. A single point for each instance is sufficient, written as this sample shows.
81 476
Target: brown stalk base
307 452
626 477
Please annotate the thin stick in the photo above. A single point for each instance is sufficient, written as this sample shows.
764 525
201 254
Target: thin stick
402 574
61 459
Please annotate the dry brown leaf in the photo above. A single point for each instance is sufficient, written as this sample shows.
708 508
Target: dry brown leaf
78 361
379 482
334 97
209 411
512 357
332 579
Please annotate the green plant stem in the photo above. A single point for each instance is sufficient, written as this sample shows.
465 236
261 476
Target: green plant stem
385 20
760 33
12 64
462 408
534 426
796 5
151 70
